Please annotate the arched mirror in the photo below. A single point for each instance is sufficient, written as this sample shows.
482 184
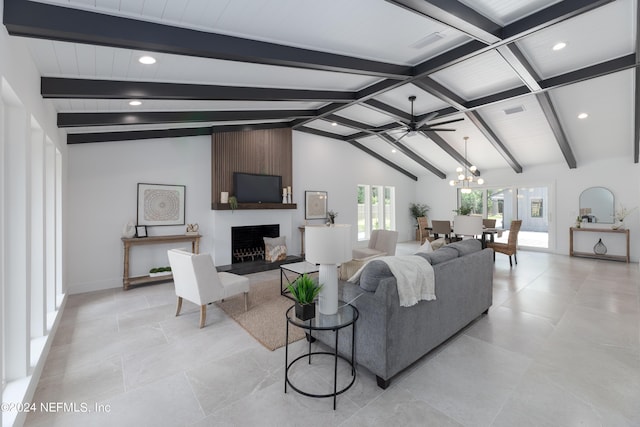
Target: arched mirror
597 205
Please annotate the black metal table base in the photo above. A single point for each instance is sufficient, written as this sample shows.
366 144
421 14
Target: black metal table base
310 353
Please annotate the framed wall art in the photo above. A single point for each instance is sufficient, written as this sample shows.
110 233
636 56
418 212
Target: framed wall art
315 206
160 204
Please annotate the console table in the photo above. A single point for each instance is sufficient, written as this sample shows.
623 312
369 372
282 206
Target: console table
153 240
606 231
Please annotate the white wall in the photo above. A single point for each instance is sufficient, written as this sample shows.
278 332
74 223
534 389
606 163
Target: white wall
620 175
103 182
102 198
325 164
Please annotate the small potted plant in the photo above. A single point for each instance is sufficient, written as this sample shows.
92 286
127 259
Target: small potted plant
305 290
332 217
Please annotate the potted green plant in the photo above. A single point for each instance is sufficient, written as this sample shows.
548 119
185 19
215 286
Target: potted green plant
463 210
304 290
417 210
233 203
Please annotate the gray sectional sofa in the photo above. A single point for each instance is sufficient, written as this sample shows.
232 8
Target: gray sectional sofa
389 337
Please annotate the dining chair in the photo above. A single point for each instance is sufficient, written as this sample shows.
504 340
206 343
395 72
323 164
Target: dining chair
489 223
467 226
439 227
423 229
511 247
197 280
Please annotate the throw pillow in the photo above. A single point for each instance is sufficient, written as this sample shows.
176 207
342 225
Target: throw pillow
275 248
425 248
465 247
372 273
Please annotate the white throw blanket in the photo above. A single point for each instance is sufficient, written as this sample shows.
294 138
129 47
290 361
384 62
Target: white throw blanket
414 276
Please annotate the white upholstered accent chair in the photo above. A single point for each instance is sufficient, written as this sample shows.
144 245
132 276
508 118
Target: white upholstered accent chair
381 243
197 280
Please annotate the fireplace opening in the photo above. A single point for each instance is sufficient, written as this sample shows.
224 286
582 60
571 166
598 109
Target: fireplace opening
247 242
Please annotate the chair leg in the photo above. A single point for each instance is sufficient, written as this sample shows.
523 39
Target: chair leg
494 256
515 257
510 263
246 301
179 306
203 315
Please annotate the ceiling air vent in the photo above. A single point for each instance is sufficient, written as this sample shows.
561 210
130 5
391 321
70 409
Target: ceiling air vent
514 110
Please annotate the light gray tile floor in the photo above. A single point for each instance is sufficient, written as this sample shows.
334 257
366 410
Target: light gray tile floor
559 347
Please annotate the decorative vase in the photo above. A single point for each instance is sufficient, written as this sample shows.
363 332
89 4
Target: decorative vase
599 248
129 230
305 311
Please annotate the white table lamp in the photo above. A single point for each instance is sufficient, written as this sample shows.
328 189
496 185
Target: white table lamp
328 246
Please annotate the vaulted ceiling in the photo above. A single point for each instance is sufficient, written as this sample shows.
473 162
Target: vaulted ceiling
346 69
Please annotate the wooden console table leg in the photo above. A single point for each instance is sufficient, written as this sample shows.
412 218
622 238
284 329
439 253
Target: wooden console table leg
125 274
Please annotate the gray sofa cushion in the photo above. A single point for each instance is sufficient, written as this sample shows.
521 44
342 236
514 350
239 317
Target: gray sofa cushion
373 273
465 247
443 254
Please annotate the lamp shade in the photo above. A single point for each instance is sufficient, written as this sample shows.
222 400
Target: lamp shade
328 245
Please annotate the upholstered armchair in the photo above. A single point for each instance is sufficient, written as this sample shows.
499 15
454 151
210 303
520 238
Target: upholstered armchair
511 247
382 242
197 280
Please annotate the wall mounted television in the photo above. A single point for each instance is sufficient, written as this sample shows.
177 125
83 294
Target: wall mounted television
256 188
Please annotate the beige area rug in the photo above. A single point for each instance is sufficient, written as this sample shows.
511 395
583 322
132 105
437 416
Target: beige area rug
265 320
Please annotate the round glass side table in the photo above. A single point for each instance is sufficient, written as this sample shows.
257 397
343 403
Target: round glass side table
346 316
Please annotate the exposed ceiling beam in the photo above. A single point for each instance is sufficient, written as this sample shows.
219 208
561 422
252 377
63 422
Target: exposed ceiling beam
156 117
440 142
436 89
586 73
403 148
456 15
360 147
494 140
523 69
554 122
551 15
388 110
84 138
40 20
359 126
52 87
453 56
516 59
412 155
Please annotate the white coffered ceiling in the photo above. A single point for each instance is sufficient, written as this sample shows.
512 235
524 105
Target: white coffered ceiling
346 69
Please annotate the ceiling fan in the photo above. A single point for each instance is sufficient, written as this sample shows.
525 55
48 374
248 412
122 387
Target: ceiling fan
412 127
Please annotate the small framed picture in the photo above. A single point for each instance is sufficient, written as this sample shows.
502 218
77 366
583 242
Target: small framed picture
315 206
141 231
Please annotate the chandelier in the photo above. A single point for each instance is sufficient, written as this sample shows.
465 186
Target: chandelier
465 174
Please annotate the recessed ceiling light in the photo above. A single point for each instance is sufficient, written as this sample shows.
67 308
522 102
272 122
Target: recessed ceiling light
135 103
147 60
394 150
559 46
334 124
583 116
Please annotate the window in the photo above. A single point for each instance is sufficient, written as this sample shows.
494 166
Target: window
536 208
376 209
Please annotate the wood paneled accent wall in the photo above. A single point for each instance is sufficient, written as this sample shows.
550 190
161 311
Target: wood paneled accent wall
267 152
